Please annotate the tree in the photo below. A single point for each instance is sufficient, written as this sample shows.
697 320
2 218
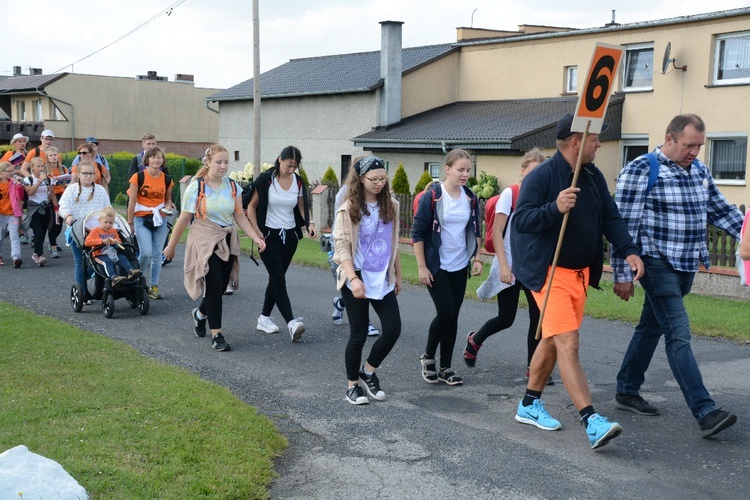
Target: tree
400 183
329 177
422 182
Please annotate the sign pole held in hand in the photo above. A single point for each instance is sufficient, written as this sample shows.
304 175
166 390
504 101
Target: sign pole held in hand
589 118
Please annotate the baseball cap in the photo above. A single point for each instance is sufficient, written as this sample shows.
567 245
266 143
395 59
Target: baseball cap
48 133
563 127
92 139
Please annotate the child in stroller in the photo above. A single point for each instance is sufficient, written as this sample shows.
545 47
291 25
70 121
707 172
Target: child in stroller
108 251
103 282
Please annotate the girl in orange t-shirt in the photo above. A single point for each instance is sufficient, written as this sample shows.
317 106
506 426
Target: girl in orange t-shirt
9 214
55 168
150 199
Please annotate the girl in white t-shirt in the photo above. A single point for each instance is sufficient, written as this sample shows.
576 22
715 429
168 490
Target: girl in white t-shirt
446 241
366 248
501 281
40 206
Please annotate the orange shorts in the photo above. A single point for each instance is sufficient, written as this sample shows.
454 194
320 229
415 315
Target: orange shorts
567 300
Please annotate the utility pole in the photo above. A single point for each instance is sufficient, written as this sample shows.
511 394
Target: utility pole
256 91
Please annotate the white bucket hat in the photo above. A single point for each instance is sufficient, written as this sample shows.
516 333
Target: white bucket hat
17 137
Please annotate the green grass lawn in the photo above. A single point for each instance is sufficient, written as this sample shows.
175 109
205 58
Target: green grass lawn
125 426
709 316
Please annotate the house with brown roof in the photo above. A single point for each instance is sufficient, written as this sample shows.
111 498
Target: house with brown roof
497 94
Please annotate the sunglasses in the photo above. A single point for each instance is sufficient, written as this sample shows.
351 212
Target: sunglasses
83 152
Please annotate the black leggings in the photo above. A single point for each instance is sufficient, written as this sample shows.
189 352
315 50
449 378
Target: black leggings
276 257
507 305
56 228
217 280
447 294
40 224
358 312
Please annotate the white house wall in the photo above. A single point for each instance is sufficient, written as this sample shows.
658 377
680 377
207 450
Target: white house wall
320 126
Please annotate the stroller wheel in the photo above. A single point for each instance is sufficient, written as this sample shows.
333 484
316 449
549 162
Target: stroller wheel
76 297
143 305
108 305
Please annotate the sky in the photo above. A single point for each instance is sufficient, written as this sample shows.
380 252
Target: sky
213 39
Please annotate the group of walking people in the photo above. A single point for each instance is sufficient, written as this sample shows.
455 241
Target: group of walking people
679 194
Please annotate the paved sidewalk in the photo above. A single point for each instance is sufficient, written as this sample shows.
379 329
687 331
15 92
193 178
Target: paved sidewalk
428 441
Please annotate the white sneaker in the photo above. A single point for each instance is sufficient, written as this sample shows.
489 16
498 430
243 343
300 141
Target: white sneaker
372 331
296 329
266 324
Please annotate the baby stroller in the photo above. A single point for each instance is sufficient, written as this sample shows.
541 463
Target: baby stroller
98 285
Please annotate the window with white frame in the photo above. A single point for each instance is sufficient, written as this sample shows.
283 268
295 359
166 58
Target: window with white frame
732 58
727 157
38 111
21 110
434 169
54 111
633 148
638 73
571 79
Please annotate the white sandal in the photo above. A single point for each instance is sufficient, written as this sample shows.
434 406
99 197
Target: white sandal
429 374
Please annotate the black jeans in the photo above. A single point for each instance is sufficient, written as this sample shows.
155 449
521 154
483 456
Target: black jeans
216 282
39 225
358 312
447 294
507 305
276 257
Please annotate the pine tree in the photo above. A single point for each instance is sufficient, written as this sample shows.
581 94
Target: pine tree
400 183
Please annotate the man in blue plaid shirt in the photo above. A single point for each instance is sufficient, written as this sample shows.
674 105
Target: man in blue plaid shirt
668 223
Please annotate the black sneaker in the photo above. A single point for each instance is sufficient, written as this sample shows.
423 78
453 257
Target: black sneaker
371 385
199 325
716 421
636 404
356 396
219 344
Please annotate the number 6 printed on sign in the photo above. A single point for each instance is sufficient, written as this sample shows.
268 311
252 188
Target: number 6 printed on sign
593 101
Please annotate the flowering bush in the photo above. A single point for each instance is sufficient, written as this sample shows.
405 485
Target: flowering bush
246 174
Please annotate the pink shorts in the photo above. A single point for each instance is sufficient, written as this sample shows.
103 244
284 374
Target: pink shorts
566 303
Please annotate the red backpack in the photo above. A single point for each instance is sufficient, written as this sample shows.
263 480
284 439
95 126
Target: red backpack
489 216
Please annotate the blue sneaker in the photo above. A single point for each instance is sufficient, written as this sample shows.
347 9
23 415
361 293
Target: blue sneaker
601 430
535 414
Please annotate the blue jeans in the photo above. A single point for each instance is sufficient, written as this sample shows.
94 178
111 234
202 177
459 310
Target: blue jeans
111 269
664 314
150 245
78 263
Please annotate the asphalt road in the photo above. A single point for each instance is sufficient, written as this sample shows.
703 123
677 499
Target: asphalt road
427 441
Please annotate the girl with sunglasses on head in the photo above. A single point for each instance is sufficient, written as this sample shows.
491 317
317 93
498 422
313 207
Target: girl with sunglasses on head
150 194
214 203
86 152
446 246
366 249
279 209
76 202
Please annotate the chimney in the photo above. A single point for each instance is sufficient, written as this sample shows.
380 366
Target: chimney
35 71
16 70
184 78
390 71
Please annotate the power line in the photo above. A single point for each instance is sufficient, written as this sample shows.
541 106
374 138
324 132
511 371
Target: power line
166 12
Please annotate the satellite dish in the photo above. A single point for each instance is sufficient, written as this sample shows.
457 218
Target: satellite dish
666 60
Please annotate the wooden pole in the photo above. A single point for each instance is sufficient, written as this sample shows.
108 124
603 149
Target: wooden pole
256 90
562 233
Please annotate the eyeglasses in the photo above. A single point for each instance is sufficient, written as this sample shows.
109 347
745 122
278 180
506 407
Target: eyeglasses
47 138
87 174
83 152
377 180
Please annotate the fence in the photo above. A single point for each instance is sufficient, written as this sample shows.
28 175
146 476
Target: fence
721 246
